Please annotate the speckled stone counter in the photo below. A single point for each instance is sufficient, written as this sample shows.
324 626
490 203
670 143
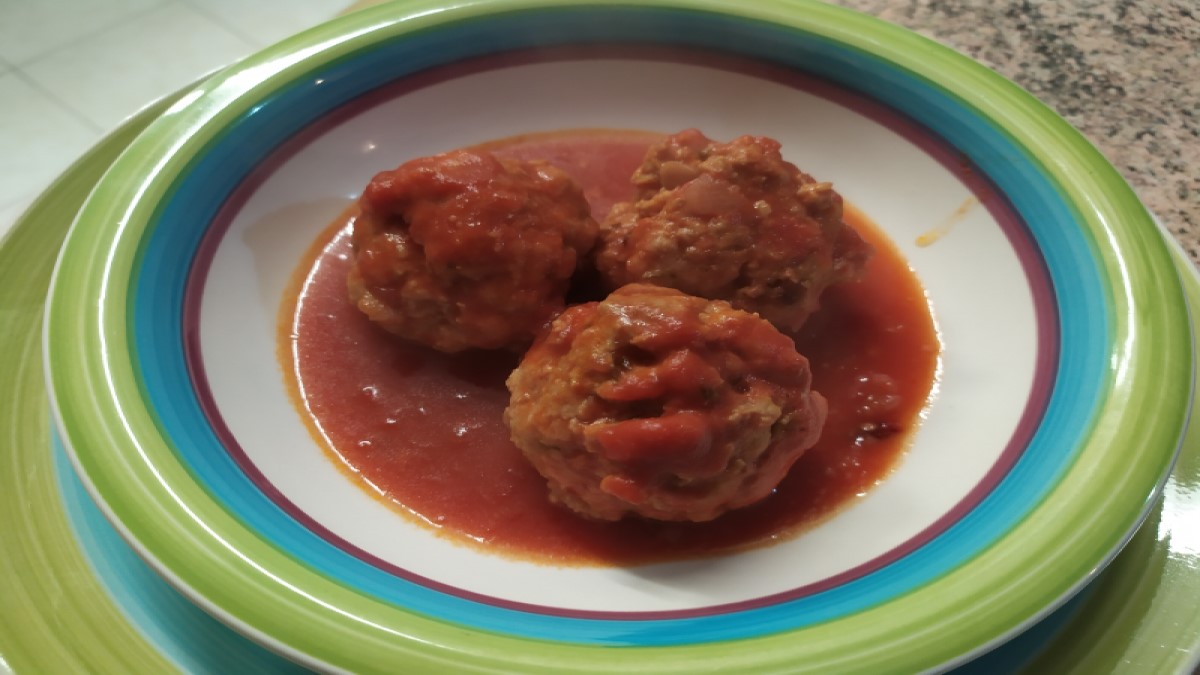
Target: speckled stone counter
1126 73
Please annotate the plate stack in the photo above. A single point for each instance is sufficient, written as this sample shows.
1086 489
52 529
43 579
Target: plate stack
198 514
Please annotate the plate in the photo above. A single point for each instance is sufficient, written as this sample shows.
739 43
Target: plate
68 605
153 401
74 597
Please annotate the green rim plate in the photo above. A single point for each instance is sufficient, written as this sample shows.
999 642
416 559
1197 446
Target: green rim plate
245 573
1140 616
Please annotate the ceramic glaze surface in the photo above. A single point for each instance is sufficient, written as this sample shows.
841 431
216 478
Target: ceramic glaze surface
1090 315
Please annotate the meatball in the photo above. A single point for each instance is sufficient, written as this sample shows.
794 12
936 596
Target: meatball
731 221
661 404
464 250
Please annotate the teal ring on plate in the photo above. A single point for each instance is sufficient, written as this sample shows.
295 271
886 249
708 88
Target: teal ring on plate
1088 279
218 170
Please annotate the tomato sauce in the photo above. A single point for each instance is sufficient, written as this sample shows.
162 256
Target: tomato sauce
424 430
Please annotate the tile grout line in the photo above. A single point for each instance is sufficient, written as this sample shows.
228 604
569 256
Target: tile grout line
77 114
54 98
101 29
200 9
19 69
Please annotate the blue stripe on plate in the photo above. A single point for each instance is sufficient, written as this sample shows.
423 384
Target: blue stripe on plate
200 644
1079 285
181 631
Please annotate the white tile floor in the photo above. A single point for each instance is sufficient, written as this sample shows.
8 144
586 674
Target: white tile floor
71 70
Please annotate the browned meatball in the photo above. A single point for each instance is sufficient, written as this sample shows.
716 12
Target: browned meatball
731 221
661 404
463 250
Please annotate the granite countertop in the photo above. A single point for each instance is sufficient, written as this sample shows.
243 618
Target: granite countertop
1126 73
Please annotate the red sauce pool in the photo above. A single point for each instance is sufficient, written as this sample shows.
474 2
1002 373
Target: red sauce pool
424 430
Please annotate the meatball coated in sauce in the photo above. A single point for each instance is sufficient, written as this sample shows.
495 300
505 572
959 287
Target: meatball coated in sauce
464 250
731 221
664 405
